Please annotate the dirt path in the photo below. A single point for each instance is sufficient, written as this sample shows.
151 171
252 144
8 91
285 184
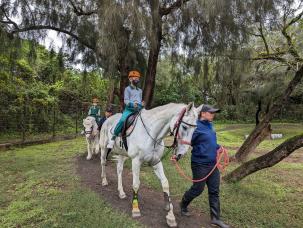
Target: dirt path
151 202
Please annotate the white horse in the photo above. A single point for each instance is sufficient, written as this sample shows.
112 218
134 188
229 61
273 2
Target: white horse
92 136
145 144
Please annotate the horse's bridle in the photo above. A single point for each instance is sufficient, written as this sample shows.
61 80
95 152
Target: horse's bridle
176 130
89 132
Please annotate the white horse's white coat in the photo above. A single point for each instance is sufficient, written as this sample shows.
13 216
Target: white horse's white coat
91 135
142 147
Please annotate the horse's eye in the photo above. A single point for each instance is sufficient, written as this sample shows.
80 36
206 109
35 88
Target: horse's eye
184 128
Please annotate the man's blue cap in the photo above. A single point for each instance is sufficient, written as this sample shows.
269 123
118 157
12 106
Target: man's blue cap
208 108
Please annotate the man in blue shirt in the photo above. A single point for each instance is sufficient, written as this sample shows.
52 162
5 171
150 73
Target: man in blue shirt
132 101
203 159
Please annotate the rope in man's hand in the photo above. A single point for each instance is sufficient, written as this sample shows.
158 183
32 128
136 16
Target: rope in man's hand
221 153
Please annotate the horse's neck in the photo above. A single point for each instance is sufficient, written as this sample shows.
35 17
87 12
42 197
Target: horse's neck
159 122
95 127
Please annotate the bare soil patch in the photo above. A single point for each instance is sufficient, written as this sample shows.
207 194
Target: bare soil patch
151 202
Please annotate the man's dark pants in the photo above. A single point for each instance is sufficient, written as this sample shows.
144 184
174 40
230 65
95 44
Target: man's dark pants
213 184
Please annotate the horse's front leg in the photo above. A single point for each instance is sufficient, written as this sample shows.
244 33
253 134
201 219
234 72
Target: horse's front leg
89 152
103 163
120 164
170 217
136 165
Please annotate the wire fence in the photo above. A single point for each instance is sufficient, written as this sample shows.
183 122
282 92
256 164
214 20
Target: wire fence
29 122
25 123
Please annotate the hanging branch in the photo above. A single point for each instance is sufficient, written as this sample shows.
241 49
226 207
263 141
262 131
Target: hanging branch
79 11
8 20
292 49
263 38
49 27
172 7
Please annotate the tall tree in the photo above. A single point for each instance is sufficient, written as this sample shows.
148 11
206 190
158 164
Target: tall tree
115 35
286 53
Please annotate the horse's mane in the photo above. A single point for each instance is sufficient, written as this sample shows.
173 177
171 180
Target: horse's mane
157 112
89 120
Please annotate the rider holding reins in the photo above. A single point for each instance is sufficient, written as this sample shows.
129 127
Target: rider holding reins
133 103
203 160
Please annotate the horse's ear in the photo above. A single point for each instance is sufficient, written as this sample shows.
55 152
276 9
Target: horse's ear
199 108
190 106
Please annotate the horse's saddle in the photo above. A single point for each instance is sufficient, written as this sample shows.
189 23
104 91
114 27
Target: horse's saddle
128 127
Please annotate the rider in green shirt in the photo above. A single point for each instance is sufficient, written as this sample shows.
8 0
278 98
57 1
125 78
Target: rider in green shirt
95 111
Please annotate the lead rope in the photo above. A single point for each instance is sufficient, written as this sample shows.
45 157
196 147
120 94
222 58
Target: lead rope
221 153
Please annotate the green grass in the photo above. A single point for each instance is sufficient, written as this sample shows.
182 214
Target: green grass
39 188
233 135
15 137
270 198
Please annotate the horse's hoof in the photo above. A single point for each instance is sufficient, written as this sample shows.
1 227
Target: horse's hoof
104 183
88 157
122 196
172 223
136 213
171 220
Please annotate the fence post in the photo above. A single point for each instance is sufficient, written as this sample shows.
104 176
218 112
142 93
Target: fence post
23 120
54 121
76 120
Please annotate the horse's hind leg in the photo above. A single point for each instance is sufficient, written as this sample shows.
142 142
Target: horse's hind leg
120 164
170 217
103 163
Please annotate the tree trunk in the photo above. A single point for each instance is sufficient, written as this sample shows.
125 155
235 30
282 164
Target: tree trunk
267 160
156 37
257 135
111 95
258 112
123 85
123 66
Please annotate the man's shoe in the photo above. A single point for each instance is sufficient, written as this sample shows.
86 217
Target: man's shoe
111 144
219 223
184 211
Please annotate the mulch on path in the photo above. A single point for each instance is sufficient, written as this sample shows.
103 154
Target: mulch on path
150 201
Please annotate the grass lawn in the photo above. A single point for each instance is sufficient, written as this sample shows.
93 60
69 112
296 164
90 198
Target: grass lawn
39 188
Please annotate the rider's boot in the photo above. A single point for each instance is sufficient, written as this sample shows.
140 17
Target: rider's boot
111 142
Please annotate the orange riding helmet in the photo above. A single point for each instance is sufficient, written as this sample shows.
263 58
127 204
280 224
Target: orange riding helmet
134 73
